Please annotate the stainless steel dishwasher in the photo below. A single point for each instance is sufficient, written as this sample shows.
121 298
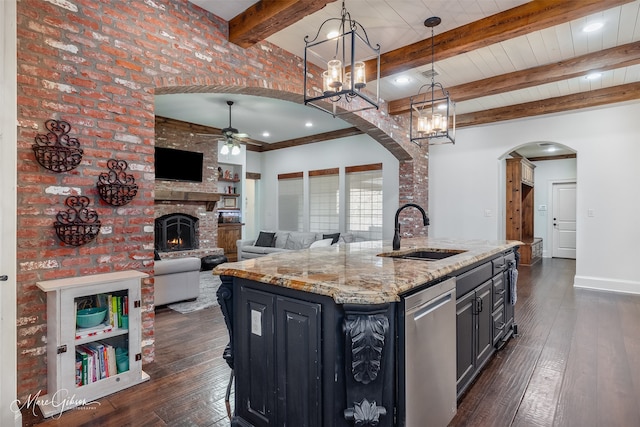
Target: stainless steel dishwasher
430 355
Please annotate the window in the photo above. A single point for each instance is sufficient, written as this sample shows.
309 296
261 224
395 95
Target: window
364 201
324 203
290 201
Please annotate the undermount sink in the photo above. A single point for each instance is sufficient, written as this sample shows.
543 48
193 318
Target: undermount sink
424 255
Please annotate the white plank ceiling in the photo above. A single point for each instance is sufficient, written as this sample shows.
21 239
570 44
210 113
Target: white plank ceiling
396 23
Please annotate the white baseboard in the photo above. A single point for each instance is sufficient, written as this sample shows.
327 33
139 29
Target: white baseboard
605 284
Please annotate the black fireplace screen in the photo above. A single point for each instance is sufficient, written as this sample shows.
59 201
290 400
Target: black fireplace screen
176 232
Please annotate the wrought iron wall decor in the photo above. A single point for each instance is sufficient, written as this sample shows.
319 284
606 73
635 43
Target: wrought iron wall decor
78 224
56 150
117 187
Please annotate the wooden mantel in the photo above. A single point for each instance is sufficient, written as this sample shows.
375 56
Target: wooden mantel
188 196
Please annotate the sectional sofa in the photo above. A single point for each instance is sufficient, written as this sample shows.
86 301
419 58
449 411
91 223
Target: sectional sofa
269 242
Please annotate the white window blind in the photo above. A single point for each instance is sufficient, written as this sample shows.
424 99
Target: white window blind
364 201
324 206
290 202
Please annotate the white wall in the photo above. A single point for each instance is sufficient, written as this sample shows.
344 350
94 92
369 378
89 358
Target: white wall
465 180
546 173
351 151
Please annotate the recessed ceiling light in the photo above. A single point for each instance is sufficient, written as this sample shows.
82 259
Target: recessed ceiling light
551 149
593 76
266 134
594 26
402 80
308 124
332 34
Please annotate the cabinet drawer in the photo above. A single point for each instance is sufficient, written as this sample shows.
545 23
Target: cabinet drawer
499 265
509 257
471 279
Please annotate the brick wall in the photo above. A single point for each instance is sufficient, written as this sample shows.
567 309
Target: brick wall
97 65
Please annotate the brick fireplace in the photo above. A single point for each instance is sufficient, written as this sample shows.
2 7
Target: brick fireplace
191 204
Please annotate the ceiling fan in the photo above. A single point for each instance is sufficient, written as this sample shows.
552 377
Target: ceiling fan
231 135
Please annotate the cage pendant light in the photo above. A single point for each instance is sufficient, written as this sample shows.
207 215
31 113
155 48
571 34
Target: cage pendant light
342 56
432 117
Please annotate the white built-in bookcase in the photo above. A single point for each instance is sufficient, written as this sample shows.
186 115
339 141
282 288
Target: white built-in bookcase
64 338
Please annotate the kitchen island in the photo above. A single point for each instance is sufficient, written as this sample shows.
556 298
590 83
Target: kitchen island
318 335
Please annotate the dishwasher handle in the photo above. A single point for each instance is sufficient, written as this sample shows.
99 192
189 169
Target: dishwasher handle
433 305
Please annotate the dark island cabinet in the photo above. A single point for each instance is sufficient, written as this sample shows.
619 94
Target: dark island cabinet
281 376
484 315
302 360
474 333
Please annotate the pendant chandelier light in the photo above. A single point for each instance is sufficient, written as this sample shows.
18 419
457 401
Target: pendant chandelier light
343 54
433 113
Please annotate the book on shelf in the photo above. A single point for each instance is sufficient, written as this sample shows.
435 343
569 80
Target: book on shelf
88 370
99 361
112 367
113 311
95 361
84 366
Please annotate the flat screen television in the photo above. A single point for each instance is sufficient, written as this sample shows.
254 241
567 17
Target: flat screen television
178 165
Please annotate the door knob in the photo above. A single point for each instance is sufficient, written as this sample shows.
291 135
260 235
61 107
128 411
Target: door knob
4 278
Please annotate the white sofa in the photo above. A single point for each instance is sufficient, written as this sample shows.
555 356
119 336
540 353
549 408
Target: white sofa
285 241
176 280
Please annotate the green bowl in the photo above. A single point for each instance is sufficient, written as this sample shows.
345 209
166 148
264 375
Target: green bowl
90 317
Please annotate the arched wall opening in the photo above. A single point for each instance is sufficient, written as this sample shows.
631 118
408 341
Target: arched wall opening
554 195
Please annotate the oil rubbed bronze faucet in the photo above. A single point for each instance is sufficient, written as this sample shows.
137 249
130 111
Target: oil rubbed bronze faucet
396 235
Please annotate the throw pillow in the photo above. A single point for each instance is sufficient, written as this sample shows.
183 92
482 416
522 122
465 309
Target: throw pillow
265 239
334 237
156 255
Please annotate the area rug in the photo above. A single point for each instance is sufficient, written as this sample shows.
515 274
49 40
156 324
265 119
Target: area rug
208 286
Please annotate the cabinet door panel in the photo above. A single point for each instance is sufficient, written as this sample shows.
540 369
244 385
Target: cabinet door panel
484 343
499 291
298 362
255 374
465 330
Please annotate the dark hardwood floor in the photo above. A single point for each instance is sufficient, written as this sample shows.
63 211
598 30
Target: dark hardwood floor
575 362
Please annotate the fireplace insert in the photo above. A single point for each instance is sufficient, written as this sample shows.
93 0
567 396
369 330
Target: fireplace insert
176 232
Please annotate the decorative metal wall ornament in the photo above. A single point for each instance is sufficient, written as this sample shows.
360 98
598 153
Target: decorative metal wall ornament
78 224
117 187
367 334
56 150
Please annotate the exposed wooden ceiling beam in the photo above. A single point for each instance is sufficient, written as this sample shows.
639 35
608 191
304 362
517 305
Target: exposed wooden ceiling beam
558 157
267 17
608 59
532 16
594 98
341 133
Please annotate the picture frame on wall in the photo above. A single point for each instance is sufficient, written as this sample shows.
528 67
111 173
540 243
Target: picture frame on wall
229 202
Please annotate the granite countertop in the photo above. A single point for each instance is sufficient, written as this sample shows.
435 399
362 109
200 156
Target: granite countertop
354 273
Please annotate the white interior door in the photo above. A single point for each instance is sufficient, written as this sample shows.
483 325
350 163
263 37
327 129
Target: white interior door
564 220
9 415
